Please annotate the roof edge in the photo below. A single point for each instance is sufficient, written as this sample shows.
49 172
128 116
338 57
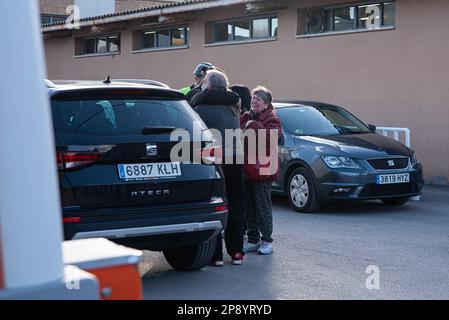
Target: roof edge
159 10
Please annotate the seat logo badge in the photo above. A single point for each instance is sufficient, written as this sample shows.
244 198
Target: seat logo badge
391 163
151 150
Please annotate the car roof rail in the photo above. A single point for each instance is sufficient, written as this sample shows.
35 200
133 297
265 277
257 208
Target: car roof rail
49 84
144 81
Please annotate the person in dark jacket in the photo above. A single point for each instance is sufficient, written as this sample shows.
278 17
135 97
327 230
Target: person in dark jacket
259 176
245 96
216 105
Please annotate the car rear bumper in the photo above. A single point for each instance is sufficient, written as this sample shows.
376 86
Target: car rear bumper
361 185
152 228
150 231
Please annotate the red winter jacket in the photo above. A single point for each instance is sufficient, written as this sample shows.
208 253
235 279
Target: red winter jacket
267 120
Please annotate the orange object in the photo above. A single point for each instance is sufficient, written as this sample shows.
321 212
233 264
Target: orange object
115 266
119 283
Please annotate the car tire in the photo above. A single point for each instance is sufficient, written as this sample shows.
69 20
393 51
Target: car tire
191 258
395 201
301 191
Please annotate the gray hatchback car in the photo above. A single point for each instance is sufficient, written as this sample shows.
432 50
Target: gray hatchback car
326 154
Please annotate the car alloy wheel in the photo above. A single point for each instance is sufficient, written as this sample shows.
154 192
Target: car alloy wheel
302 193
299 190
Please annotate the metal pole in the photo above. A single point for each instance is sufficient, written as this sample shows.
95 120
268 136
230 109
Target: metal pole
30 221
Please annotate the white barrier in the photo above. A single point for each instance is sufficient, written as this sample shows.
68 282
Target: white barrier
398 135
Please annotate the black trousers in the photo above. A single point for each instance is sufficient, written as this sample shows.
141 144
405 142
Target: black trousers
235 191
259 213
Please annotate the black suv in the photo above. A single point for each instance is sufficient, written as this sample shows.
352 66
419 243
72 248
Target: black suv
116 176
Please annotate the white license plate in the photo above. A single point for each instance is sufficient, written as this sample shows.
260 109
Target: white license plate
393 178
145 171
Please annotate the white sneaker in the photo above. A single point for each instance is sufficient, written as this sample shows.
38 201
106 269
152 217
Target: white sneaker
250 247
216 263
265 248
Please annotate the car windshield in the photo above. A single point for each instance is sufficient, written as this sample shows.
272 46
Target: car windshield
306 120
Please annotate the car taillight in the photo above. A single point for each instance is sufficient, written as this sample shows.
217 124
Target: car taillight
72 220
221 208
72 160
60 160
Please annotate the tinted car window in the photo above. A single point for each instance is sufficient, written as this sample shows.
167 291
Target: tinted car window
345 121
105 117
306 120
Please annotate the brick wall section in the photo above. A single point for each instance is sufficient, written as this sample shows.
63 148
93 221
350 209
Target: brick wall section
57 7
124 5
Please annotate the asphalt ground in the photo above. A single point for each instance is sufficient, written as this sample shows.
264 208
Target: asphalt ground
346 251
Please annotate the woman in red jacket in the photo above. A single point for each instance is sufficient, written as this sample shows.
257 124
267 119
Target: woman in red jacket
261 129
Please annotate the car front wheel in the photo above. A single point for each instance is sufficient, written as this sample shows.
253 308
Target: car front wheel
191 258
395 201
301 191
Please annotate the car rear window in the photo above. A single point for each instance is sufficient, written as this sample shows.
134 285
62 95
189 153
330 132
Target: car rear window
108 117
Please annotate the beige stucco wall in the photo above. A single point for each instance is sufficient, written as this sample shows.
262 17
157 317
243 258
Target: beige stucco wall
397 78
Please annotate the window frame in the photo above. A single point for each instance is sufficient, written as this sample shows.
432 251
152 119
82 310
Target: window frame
108 45
156 47
356 27
251 37
332 15
53 18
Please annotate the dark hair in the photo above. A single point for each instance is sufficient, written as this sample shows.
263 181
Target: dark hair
244 94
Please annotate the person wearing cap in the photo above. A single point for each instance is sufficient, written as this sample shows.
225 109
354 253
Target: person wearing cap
198 76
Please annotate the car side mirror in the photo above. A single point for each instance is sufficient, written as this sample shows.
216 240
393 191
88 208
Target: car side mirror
372 128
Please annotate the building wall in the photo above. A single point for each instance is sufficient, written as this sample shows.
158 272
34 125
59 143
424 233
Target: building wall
125 5
57 7
92 8
395 78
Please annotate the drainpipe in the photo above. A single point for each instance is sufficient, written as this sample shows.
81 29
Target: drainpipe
30 221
